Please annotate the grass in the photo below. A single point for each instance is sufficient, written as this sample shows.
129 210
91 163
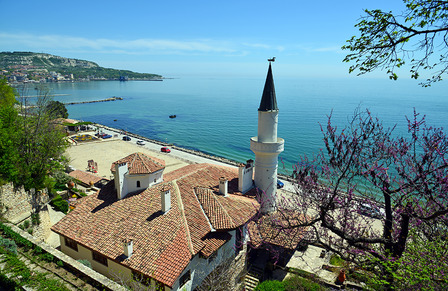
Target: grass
335 260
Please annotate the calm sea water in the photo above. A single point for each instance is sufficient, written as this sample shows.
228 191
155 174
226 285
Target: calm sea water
219 115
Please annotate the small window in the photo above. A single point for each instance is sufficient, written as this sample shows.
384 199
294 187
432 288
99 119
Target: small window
99 258
138 184
155 180
71 244
185 278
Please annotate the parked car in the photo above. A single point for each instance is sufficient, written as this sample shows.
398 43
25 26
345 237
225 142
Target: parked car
370 211
106 136
280 184
126 138
165 150
140 142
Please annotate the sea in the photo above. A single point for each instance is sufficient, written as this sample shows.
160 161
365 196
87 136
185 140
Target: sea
218 115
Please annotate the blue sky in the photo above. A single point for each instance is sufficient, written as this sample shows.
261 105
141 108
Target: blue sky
196 38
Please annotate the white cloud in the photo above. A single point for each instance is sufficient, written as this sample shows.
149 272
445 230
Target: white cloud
137 46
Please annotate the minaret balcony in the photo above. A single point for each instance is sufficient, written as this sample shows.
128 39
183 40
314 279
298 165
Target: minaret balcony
267 147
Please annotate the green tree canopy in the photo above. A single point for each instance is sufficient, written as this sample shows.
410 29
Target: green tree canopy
7 94
417 37
56 109
31 146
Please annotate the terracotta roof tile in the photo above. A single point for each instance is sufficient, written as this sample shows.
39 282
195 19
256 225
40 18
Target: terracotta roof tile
86 177
163 243
140 163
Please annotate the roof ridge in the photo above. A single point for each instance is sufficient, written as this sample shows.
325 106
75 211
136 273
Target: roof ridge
184 219
224 210
202 207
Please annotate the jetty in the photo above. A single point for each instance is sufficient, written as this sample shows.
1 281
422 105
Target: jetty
95 101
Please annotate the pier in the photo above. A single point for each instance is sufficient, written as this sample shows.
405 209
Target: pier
95 101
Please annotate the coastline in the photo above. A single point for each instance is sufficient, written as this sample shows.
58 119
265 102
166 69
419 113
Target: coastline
187 156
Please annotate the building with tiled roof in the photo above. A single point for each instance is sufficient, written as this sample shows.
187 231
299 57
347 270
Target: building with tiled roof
172 233
88 179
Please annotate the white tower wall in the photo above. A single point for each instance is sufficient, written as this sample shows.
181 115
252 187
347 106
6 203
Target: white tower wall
267 126
267 146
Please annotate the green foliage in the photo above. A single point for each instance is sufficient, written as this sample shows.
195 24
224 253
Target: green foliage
26 224
390 40
336 260
30 145
35 218
7 94
297 283
60 263
9 245
59 204
85 263
270 285
20 241
56 109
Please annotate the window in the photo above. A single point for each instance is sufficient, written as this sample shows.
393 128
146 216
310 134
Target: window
185 278
99 258
71 244
138 184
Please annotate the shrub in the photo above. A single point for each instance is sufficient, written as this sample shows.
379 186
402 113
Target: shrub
60 263
30 231
85 263
35 218
8 232
59 204
270 285
26 223
9 245
47 257
296 283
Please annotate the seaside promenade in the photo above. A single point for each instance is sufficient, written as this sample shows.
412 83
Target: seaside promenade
106 151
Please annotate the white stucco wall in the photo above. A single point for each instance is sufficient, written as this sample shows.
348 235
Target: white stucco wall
200 267
146 181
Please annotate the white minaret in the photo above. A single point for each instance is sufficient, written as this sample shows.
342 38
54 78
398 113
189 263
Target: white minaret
267 146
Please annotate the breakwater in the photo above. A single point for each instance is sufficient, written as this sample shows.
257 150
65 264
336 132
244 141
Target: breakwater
95 101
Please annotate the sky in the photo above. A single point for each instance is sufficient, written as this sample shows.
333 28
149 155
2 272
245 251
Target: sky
191 38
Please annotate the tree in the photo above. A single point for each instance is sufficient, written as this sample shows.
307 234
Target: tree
7 94
369 188
56 109
31 146
418 36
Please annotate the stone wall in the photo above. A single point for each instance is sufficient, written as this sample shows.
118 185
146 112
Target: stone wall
18 204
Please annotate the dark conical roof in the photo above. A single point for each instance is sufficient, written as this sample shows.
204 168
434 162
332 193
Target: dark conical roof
268 100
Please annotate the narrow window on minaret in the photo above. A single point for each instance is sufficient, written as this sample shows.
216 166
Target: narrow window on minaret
138 184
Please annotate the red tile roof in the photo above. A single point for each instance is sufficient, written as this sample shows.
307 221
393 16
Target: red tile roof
86 177
139 163
163 243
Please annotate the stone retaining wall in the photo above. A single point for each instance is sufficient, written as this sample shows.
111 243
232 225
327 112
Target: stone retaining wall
18 204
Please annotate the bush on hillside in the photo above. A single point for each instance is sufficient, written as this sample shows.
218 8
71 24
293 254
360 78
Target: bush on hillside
270 285
59 204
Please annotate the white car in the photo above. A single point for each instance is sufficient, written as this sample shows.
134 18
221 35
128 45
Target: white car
140 142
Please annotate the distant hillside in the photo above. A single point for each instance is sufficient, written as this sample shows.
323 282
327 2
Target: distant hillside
29 61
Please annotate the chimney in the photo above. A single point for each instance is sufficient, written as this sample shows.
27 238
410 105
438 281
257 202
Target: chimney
128 247
245 175
223 185
120 185
166 199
